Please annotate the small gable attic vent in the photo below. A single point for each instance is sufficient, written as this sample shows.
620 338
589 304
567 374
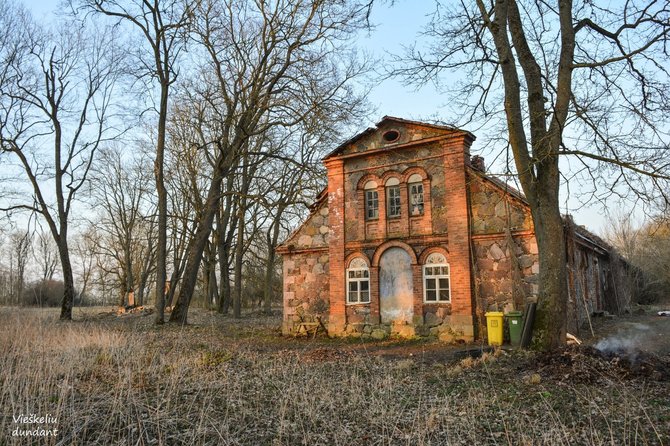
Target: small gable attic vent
390 136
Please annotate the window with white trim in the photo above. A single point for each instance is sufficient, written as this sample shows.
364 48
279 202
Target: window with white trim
371 200
358 282
393 197
371 204
436 286
416 199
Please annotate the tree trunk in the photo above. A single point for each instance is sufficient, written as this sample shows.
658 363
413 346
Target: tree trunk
549 329
196 246
239 243
239 258
269 276
161 251
68 281
213 289
122 292
270 262
225 236
129 283
224 287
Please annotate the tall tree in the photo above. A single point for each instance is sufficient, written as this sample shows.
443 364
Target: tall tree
269 64
578 79
21 246
289 183
56 96
125 217
162 24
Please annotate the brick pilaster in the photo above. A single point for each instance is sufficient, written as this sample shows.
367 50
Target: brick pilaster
404 210
381 193
459 234
337 281
374 295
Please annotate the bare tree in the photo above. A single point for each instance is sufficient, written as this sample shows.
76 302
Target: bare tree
647 249
84 249
289 183
56 97
21 247
269 65
566 78
119 192
162 24
46 255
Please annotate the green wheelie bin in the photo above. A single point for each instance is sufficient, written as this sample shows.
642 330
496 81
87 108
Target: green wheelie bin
515 324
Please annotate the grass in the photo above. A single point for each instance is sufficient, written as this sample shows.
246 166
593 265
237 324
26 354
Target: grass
109 380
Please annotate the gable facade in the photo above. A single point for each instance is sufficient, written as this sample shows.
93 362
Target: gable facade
411 237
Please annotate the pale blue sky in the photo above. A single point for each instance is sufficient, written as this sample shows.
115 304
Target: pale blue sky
397 26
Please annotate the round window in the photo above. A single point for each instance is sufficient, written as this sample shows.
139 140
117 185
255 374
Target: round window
391 136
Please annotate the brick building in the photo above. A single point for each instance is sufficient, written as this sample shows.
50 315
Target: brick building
412 237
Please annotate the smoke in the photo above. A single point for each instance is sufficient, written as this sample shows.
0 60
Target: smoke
628 342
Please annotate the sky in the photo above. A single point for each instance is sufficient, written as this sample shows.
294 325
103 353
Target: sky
397 25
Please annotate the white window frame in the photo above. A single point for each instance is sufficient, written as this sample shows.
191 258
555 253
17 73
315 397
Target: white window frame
371 196
436 260
357 267
411 199
393 203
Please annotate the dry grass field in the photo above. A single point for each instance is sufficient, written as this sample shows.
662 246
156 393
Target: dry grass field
110 380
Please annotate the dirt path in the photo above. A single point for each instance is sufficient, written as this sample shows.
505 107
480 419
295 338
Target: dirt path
647 332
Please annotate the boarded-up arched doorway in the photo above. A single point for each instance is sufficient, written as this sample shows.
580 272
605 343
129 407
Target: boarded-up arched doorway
396 292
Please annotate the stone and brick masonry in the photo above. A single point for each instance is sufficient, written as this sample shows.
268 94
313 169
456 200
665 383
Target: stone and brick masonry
477 228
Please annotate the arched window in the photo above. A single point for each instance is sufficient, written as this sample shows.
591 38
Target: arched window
371 200
436 287
415 184
358 282
393 197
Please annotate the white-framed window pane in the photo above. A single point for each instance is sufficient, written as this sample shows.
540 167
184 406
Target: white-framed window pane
358 282
393 194
371 204
416 199
436 279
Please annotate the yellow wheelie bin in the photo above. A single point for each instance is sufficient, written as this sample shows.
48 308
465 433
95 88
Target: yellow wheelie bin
494 326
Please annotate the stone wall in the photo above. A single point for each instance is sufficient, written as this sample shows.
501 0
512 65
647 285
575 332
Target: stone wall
504 249
305 288
314 233
492 209
507 271
305 270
